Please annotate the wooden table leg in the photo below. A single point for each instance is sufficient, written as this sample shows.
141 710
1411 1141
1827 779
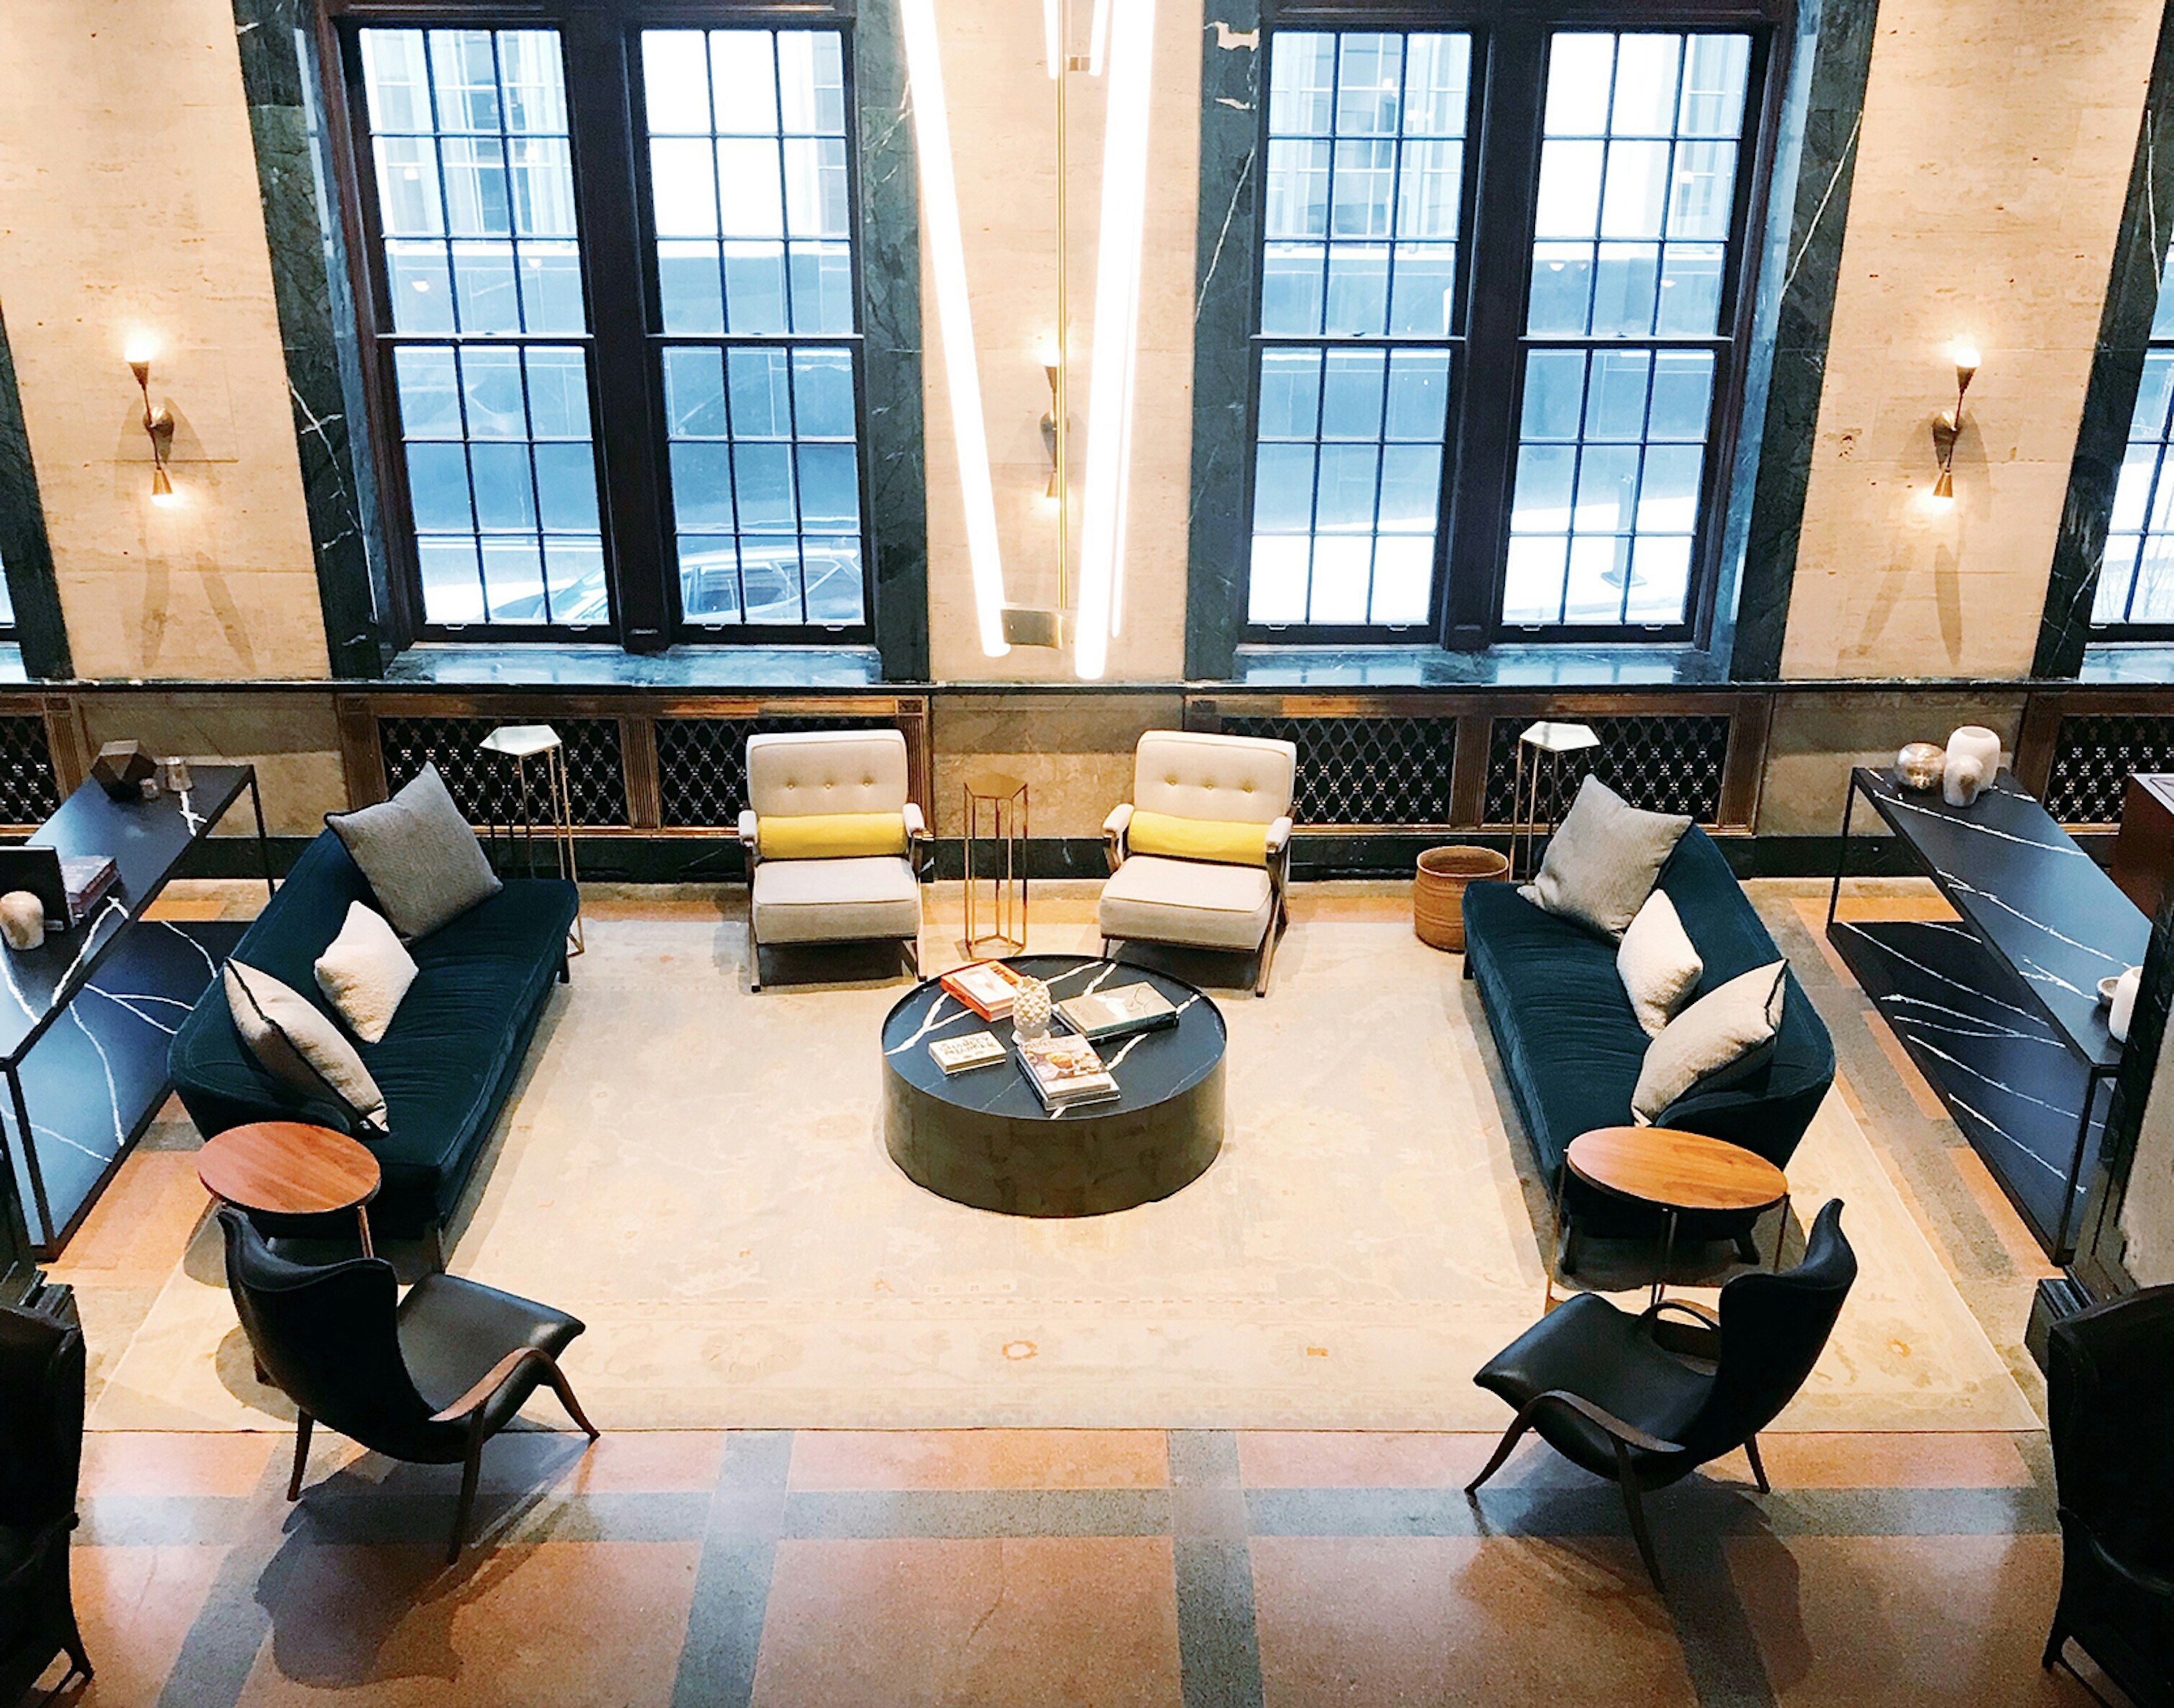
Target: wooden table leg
1781 1233
362 1219
1668 1257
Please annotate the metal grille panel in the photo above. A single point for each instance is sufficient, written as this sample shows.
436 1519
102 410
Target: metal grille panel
1365 770
481 784
2093 757
1663 763
701 762
30 794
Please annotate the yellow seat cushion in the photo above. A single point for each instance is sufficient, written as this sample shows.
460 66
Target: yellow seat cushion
1227 842
830 835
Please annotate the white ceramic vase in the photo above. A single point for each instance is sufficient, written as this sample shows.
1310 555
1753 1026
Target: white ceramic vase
2124 1006
1030 1010
1973 762
22 920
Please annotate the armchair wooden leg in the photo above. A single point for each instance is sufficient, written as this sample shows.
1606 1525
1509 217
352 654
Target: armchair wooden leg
1631 1499
1267 961
302 1422
564 1389
1511 1437
1758 1470
471 1468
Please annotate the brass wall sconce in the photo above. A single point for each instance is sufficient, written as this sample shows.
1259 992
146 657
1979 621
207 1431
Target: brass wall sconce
1947 425
158 427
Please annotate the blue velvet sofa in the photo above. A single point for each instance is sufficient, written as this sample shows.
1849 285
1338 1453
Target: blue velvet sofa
447 1064
1572 1048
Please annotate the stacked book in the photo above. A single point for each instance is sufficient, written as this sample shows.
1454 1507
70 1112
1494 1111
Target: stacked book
987 987
1118 1014
1064 1073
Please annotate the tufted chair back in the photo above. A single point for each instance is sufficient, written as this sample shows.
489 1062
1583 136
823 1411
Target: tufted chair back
837 770
1231 778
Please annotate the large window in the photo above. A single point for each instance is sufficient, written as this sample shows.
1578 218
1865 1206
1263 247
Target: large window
1502 289
2135 597
613 314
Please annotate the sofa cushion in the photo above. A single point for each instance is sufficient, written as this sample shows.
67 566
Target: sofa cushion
1154 900
1659 964
835 900
1602 861
419 854
1723 1037
295 1041
365 972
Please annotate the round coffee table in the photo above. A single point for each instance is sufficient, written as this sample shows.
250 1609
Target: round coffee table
1676 1172
982 1138
288 1168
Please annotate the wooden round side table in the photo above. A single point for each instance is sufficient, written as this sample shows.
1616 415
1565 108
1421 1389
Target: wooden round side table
288 1168
1675 1172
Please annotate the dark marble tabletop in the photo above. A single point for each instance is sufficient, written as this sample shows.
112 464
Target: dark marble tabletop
1149 1068
147 841
2034 898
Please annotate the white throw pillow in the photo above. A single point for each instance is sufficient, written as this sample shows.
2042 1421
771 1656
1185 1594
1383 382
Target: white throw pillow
1658 965
365 971
1602 859
1723 1035
295 1042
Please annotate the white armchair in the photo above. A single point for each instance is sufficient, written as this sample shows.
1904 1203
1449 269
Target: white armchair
835 848
1201 854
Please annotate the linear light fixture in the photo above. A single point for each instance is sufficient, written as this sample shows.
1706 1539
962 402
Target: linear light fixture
1053 36
947 245
1097 39
1119 245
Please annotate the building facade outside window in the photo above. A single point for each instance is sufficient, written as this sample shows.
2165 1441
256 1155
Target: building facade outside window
612 318
1503 292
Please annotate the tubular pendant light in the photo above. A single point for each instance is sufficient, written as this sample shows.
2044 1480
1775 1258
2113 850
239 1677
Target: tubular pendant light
1053 36
947 246
1119 244
1097 39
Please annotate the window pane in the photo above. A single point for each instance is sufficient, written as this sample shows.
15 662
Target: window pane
475 191
1365 184
763 438
1639 153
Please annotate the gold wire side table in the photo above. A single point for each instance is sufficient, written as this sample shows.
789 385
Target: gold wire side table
1005 798
522 742
1548 743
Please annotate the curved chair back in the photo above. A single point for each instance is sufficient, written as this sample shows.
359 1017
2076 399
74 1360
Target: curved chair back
2110 1404
824 771
1773 1328
328 1337
1228 779
41 1387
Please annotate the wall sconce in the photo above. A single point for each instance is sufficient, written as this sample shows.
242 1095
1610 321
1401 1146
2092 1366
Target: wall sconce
1948 426
158 427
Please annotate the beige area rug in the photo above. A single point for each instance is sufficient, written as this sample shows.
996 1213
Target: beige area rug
699 1174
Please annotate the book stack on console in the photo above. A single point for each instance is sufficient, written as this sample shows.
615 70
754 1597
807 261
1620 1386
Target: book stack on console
1064 1073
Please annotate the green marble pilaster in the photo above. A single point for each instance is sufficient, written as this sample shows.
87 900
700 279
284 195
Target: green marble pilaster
316 327
24 546
1796 316
890 301
1233 75
2131 300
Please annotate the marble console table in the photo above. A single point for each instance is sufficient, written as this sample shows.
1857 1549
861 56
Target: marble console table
982 1138
1999 1008
86 1018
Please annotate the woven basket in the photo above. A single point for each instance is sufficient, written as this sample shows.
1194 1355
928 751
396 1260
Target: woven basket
1438 892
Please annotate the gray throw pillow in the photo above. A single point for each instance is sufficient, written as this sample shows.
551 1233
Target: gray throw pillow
1724 1035
296 1042
422 860
1602 859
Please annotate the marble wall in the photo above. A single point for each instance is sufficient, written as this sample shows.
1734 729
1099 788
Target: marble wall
129 208
1996 148
1002 108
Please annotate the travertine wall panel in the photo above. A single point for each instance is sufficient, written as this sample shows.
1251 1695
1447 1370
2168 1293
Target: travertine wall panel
1991 164
128 208
1815 739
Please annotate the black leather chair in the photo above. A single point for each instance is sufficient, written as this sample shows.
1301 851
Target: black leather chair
1607 1392
428 1379
2110 1395
41 1374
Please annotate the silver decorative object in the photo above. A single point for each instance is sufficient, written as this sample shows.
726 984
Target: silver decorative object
1030 1010
176 771
1919 765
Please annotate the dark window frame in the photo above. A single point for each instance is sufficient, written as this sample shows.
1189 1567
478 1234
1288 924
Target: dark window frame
600 46
1503 138
2158 342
